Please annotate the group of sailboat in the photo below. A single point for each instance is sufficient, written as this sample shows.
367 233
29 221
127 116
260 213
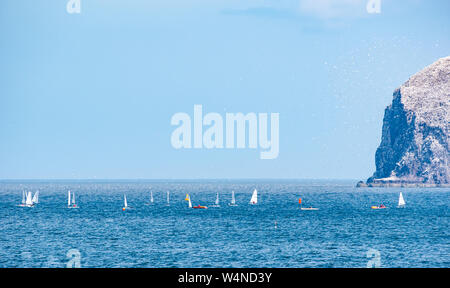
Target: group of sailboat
253 200
28 200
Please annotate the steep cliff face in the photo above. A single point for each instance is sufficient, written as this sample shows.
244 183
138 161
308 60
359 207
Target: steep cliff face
414 148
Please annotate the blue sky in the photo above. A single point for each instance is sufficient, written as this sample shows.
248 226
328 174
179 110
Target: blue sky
91 95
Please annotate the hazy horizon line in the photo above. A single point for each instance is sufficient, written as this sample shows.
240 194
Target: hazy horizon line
169 179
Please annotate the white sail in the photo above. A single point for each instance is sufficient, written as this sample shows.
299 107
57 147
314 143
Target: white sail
168 198
68 198
217 200
254 199
35 199
233 200
125 204
151 196
73 198
29 200
23 197
401 201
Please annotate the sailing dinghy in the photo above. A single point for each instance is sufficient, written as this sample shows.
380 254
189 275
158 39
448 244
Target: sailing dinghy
28 200
216 203
401 201
71 203
254 199
35 199
233 200
125 204
151 198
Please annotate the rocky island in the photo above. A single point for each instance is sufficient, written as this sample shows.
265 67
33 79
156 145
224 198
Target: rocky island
414 149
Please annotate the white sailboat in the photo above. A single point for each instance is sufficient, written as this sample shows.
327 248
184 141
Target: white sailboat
29 200
233 199
254 199
168 198
216 203
401 201
125 204
71 203
35 199
151 198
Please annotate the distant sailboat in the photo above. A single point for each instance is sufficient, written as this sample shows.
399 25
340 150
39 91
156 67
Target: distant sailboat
35 199
125 204
168 198
29 200
216 203
188 198
254 199
71 200
401 201
151 198
233 199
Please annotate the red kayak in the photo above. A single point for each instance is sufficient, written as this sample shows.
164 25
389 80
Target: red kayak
200 207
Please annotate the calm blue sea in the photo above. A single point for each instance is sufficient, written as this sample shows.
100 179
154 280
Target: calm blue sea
340 234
